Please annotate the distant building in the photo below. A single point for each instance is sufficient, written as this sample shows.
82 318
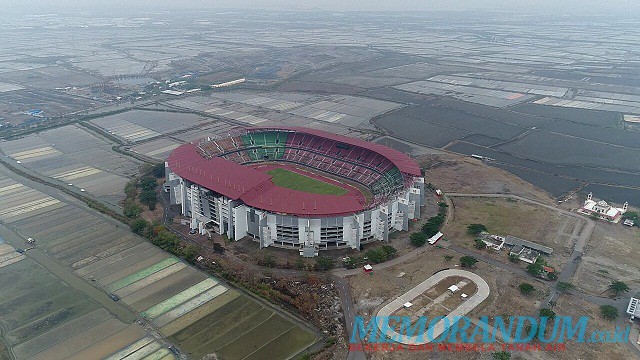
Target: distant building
602 209
628 222
229 83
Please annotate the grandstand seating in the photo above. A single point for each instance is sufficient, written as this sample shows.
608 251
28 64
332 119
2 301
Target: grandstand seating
361 165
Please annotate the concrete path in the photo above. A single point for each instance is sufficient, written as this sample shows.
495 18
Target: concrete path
439 327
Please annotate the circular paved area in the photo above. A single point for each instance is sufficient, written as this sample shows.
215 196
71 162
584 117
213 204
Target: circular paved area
439 327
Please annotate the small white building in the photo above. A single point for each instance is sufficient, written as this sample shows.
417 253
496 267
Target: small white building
453 288
434 239
633 309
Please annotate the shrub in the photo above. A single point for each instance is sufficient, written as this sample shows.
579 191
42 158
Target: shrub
526 288
432 226
325 263
158 170
608 312
418 239
544 312
131 210
536 269
381 254
139 226
190 252
468 261
479 244
149 198
476 229
502 355
564 286
148 183
618 287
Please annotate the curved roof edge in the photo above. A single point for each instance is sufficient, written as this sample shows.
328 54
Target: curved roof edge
402 161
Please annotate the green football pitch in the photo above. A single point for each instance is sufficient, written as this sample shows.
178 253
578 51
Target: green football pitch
295 181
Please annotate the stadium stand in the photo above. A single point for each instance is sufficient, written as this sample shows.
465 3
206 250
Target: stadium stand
354 163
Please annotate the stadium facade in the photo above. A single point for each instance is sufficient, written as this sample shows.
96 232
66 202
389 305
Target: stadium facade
220 187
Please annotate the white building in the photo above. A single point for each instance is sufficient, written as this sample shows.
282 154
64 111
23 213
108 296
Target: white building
633 309
602 209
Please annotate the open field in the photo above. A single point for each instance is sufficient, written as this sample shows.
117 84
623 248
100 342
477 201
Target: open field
453 173
72 156
571 306
608 259
511 217
295 181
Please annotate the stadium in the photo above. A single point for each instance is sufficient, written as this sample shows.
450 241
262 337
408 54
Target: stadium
295 187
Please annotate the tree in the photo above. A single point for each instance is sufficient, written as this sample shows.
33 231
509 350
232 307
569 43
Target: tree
149 198
526 288
448 257
544 312
190 252
476 229
630 215
513 258
537 268
418 239
432 226
390 251
618 287
552 275
148 183
468 261
608 312
147 195
479 244
158 170
131 210
268 261
139 226
299 264
564 286
502 355
325 263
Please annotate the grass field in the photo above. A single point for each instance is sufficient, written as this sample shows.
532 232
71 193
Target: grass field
295 181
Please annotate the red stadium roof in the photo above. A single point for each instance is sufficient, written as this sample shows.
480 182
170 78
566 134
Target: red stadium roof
402 161
255 188
220 175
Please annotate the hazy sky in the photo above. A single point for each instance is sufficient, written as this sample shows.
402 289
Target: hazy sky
564 6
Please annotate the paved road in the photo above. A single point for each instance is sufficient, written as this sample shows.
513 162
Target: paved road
348 310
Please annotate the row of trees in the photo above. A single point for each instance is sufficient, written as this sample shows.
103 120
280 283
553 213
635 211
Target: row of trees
144 189
160 236
431 227
376 255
